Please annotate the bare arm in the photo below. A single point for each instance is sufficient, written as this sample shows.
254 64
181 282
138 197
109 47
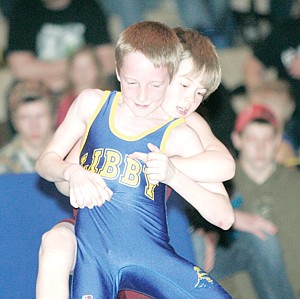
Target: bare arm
52 164
26 66
210 199
214 164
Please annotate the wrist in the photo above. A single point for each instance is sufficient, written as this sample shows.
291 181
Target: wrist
174 179
68 171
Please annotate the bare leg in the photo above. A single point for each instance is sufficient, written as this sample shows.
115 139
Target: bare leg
57 258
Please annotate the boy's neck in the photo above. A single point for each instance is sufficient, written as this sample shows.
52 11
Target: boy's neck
259 176
129 124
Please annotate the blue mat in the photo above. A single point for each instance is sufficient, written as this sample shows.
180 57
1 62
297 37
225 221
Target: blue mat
29 207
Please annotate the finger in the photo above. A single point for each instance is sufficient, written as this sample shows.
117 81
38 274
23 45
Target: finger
260 234
73 202
104 195
152 180
110 193
270 229
153 148
95 199
88 197
139 156
100 184
84 196
98 179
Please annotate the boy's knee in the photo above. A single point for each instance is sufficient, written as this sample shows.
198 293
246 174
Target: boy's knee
59 240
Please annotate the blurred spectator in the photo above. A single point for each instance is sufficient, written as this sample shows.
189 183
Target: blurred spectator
32 112
84 71
277 97
279 51
130 11
211 17
43 33
255 18
267 206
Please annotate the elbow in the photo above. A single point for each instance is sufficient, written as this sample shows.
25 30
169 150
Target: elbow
38 167
231 167
227 221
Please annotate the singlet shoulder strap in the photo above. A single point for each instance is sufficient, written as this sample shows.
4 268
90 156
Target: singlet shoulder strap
106 95
168 132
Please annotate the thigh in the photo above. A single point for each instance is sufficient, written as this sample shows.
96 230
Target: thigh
171 275
91 280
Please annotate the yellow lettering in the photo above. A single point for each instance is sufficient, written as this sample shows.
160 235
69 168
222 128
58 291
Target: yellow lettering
149 188
83 160
97 154
132 171
111 166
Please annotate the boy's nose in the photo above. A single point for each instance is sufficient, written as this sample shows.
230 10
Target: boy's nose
190 98
142 95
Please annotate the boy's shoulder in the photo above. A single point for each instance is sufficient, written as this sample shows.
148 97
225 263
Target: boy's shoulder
288 174
183 141
88 101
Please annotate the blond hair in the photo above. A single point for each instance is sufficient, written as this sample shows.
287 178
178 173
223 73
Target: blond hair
157 41
204 56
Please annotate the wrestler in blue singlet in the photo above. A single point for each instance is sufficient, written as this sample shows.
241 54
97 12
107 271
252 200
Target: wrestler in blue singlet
124 244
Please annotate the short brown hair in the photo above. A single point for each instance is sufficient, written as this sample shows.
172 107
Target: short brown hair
157 41
204 56
25 91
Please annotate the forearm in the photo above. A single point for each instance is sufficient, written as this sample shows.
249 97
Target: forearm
26 67
210 200
53 168
213 163
209 166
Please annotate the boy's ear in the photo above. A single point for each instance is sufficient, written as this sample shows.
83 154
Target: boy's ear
236 140
278 138
117 74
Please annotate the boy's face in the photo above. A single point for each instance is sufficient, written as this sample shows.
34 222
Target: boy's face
257 145
185 92
34 122
143 86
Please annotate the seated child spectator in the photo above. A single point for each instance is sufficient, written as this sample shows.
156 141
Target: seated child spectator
276 95
32 114
267 208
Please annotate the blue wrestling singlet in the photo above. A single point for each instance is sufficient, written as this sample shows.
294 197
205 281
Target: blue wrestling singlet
124 244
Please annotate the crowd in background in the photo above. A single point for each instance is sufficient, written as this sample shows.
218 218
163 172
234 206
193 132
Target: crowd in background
55 49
